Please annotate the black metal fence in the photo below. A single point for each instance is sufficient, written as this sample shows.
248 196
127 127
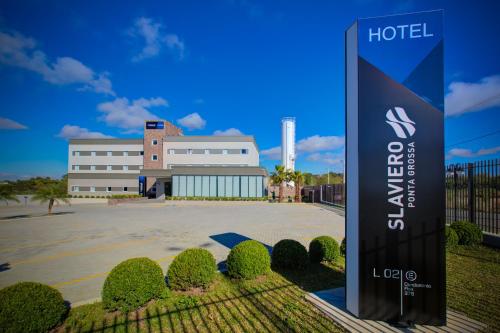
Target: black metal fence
472 194
332 194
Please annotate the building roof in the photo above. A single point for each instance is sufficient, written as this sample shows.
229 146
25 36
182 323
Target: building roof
206 171
106 141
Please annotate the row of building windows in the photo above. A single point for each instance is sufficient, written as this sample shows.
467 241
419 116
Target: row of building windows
207 151
79 153
218 186
77 167
77 188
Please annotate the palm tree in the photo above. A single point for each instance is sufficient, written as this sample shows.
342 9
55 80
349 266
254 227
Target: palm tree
278 177
51 193
7 194
298 178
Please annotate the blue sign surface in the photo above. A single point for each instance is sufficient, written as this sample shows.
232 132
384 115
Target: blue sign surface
395 212
155 125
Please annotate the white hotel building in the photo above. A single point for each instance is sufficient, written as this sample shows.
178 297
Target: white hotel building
166 163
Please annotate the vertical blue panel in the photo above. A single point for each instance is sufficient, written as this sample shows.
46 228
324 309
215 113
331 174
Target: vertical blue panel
205 186
229 186
220 186
197 186
252 186
175 186
236 186
244 186
259 186
182 186
190 186
213 186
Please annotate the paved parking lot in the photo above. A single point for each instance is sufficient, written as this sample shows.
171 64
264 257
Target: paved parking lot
73 251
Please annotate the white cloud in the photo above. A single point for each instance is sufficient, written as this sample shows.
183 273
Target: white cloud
467 97
20 51
326 158
192 121
229 132
129 115
77 132
272 153
468 153
154 39
9 124
319 143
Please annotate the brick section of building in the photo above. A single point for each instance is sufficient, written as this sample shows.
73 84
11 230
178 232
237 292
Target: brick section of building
149 149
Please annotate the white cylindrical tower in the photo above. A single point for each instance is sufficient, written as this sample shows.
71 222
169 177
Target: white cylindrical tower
288 143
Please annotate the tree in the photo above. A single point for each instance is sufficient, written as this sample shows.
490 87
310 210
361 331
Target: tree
278 177
298 178
51 193
7 193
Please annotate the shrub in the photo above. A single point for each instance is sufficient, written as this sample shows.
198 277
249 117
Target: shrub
343 248
30 307
468 233
323 248
248 259
288 253
132 283
451 237
192 268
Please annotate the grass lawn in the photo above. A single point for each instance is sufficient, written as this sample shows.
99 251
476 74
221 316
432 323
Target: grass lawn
474 283
271 304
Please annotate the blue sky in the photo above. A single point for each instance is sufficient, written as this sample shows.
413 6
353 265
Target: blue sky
217 67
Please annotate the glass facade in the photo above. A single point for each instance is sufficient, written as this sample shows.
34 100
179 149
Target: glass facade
218 186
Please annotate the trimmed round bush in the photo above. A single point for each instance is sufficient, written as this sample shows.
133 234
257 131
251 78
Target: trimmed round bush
289 253
323 248
132 283
248 259
468 233
451 237
192 268
30 307
343 248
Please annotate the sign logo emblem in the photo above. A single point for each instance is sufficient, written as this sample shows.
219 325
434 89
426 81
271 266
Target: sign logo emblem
400 123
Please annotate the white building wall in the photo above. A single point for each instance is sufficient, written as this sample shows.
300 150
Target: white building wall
250 159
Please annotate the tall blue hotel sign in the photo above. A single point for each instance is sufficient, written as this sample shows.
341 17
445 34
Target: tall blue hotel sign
395 169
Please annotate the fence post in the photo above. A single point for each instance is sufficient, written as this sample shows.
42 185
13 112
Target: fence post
455 203
470 192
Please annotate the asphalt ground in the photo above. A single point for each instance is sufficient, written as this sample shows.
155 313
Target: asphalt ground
75 249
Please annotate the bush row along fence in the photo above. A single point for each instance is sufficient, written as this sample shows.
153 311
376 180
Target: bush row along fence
472 194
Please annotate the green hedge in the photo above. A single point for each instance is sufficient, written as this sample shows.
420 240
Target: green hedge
248 260
30 307
468 233
323 248
125 196
132 283
343 248
288 253
451 237
192 268
217 198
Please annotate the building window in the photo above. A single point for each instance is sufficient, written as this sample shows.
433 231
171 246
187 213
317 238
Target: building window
244 151
110 153
108 189
207 151
140 167
92 188
224 151
92 167
125 189
76 153
125 153
154 157
75 188
190 152
142 152
125 167
109 168
154 142
171 151
92 153
76 167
